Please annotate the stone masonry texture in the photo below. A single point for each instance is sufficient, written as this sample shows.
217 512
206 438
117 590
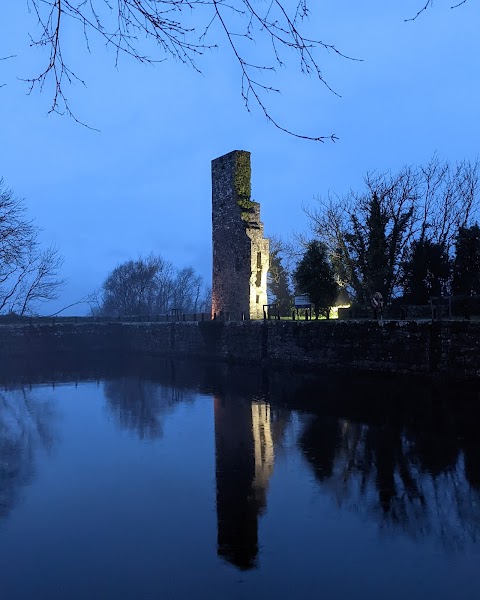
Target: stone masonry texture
450 349
240 252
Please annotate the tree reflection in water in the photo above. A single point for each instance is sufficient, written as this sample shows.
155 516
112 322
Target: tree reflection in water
140 405
418 478
25 428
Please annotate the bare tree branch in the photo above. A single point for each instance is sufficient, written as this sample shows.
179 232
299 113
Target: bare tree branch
124 24
28 274
185 30
5 58
427 5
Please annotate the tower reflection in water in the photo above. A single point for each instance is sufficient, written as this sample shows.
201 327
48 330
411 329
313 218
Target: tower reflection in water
244 448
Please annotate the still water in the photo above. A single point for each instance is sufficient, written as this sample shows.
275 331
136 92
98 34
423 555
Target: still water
194 481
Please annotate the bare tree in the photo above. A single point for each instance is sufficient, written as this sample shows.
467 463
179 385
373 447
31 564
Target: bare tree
41 282
130 287
187 290
29 275
205 305
149 285
449 198
162 301
369 234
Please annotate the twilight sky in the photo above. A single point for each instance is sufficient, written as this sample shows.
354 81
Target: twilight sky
143 183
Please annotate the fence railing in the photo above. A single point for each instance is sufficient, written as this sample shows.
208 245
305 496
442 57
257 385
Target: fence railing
157 318
445 307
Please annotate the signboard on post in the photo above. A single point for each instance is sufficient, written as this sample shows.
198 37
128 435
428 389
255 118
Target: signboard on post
302 301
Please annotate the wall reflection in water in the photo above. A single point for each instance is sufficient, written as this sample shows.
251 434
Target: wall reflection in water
245 435
25 428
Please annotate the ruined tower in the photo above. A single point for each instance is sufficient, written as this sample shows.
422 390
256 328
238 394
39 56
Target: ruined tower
240 252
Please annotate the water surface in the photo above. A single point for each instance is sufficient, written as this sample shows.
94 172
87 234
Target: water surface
185 481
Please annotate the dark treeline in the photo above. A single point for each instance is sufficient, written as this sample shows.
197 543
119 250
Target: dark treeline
151 285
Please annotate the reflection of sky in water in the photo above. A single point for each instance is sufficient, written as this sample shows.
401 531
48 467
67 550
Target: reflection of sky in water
152 491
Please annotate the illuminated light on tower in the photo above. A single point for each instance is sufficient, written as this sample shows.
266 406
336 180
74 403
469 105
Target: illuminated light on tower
263 446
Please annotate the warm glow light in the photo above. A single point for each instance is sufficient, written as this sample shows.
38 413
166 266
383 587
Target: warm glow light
263 441
334 310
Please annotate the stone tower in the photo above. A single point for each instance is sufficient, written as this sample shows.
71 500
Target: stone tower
240 252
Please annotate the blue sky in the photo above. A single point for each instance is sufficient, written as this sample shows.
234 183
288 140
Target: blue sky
143 183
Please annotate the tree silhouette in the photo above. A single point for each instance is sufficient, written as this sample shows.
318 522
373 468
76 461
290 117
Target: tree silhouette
426 271
150 285
415 214
278 279
29 274
314 276
466 266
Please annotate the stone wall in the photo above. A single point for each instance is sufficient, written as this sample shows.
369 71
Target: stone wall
44 339
367 346
439 348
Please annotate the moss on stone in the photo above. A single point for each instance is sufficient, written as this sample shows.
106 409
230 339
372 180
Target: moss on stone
241 181
245 203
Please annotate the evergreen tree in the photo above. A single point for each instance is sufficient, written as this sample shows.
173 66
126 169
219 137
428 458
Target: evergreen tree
376 251
314 276
466 266
378 230
278 284
426 271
